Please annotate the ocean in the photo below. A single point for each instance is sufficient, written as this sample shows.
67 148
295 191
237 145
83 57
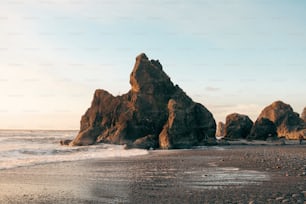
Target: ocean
20 148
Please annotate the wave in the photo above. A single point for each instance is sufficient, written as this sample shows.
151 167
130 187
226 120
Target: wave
27 148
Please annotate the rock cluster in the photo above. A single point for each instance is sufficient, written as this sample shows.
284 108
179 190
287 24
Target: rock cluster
288 123
277 119
154 113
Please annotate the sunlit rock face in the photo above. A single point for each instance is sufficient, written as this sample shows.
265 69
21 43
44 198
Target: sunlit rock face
154 113
220 129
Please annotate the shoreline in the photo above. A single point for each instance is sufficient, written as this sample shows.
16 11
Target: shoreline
234 173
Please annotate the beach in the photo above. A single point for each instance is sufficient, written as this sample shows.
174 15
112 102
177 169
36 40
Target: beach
229 174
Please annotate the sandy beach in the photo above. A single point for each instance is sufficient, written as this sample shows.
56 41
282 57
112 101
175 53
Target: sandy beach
229 174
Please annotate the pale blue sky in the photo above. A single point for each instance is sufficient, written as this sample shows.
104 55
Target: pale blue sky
229 55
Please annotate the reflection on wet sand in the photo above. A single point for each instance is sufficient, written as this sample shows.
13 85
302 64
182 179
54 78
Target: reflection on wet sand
125 181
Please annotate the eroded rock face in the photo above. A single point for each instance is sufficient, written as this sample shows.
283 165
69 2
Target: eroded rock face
262 130
154 112
237 126
220 129
287 122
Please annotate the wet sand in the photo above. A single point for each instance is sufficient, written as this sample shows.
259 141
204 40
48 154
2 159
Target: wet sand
230 174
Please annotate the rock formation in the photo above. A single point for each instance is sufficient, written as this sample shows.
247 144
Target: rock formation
287 122
154 113
220 129
303 115
237 126
262 130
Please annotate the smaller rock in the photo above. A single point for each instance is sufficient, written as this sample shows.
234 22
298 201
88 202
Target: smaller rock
263 129
237 126
279 198
147 142
285 201
220 129
65 142
303 115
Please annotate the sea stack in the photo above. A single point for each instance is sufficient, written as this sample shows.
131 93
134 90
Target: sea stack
154 113
303 115
288 123
220 129
237 126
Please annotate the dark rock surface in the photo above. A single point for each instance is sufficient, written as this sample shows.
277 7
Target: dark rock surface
220 129
287 122
237 126
262 130
153 111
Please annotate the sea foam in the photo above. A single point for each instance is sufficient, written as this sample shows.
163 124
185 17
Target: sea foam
26 148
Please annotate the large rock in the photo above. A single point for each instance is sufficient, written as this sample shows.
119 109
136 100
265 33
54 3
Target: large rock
237 126
287 122
188 124
262 130
303 115
220 129
154 111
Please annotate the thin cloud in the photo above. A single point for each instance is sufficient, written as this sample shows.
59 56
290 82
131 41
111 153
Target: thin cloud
212 89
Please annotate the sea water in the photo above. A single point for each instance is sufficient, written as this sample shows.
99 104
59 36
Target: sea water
32 147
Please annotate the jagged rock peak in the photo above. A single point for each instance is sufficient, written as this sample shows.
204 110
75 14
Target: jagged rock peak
154 113
142 56
148 77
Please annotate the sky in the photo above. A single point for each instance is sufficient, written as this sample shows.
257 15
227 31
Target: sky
230 55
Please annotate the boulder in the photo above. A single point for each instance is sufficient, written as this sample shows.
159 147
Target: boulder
262 130
287 122
147 142
220 129
303 115
65 142
237 126
154 111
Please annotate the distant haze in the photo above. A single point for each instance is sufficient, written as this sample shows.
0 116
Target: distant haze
229 55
